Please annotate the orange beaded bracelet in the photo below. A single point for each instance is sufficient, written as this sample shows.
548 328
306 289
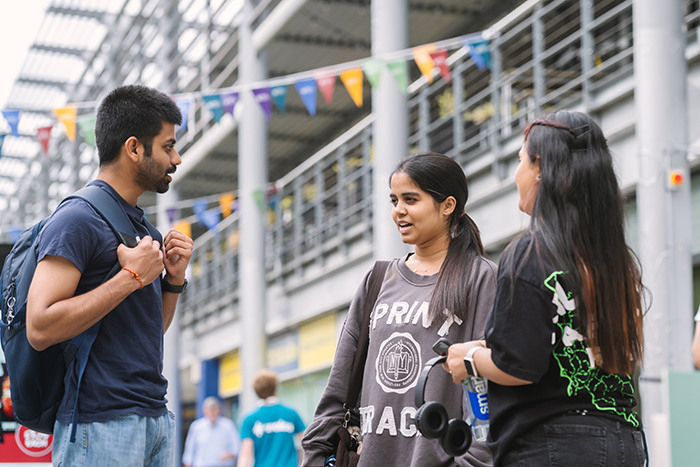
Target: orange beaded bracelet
136 276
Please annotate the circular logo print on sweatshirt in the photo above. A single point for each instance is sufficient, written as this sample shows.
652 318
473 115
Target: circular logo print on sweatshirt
398 363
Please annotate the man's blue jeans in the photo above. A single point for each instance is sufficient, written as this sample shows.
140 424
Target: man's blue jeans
578 440
129 440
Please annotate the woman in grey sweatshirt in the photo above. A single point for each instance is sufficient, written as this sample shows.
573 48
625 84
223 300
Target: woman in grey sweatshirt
443 289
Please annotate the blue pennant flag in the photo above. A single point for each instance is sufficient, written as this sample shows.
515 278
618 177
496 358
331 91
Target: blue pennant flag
199 207
184 106
279 95
211 219
2 139
12 117
479 51
214 104
307 91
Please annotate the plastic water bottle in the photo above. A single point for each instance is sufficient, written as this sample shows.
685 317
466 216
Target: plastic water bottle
330 461
476 393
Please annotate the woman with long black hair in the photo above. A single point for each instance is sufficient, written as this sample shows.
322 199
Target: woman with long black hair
565 334
445 288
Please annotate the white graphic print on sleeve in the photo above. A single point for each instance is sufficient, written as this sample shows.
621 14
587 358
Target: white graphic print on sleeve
398 363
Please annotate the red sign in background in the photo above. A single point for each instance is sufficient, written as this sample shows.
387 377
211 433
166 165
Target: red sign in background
25 446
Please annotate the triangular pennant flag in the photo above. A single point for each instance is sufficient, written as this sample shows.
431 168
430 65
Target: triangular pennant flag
225 201
373 71
326 83
440 60
12 117
199 207
279 95
352 79
229 101
211 219
399 71
479 52
86 125
307 91
264 99
184 227
44 136
171 214
184 106
2 139
215 106
66 115
259 198
425 63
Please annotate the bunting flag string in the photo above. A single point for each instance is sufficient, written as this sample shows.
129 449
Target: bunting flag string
427 57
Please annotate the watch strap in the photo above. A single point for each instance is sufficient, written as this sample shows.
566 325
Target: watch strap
168 287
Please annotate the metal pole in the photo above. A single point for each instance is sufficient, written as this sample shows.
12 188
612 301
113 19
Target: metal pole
660 78
252 170
389 104
587 46
538 78
171 339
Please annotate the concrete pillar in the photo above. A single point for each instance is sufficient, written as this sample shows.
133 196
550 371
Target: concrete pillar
252 178
664 230
389 105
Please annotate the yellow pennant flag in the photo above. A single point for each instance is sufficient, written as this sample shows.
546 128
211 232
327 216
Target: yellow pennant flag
225 201
67 115
352 79
424 61
184 227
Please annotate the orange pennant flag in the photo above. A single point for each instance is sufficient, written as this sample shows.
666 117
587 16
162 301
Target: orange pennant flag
67 115
225 201
184 227
352 79
424 61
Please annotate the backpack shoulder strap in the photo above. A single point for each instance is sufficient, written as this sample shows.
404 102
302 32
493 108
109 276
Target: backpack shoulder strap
109 209
376 279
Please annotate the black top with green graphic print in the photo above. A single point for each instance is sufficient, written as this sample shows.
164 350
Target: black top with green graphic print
534 336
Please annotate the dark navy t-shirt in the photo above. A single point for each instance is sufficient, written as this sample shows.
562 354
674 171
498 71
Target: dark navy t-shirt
125 366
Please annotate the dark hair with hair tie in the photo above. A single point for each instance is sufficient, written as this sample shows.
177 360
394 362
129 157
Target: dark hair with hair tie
577 224
441 177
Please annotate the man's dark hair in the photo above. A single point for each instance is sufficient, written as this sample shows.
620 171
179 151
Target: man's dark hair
132 110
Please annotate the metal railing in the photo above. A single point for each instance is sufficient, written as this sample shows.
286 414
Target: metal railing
548 55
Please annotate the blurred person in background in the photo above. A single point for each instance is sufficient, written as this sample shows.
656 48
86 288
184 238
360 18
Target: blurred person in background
565 335
271 433
212 440
445 288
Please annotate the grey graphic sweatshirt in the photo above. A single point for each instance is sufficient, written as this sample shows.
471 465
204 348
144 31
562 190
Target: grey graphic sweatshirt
401 339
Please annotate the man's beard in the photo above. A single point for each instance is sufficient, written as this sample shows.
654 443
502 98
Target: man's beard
149 177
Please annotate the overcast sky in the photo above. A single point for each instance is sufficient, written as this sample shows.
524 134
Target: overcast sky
19 23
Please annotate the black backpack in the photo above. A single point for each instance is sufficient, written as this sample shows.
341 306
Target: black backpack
36 378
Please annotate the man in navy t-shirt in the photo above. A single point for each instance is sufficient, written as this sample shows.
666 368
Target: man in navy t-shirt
122 417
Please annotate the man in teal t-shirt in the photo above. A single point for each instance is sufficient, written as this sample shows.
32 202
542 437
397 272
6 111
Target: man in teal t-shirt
268 433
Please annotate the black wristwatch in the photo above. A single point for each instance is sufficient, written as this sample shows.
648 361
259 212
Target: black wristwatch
469 361
168 287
